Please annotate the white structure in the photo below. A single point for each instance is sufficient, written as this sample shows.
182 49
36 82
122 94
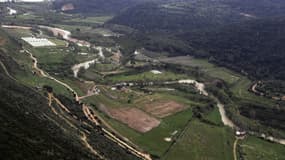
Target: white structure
38 42
155 72
83 54
137 52
11 11
84 65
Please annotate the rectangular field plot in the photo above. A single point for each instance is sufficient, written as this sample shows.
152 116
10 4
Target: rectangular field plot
38 42
163 109
134 118
201 141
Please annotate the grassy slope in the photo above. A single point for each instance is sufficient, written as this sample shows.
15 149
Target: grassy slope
21 137
258 149
153 141
202 141
148 76
29 129
214 117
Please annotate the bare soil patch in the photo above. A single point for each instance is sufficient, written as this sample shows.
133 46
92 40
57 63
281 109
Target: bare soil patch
133 117
2 41
163 108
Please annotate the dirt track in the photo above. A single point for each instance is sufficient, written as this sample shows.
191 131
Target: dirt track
6 71
2 41
235 149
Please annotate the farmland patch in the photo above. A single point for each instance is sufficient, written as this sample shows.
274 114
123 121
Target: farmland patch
163 109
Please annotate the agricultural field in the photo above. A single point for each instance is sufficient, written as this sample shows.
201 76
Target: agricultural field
155 141
91 20
253 148
214 117
169 121
19 33
148 76
58 42
210 69
202 141
124 109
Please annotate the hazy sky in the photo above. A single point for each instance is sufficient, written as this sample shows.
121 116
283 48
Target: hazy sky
23 0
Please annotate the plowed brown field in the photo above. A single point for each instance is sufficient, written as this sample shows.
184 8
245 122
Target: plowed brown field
164 108
135 119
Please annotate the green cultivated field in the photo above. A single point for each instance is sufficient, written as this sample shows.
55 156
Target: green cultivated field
98 20
18 33
148 76
210 69
153 141
202 141
253 148
58 42
214 117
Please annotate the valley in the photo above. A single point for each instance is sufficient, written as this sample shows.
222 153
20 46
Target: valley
115 92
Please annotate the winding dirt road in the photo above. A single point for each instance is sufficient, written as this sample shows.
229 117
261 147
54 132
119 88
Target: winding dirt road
226 121
35 66
89 115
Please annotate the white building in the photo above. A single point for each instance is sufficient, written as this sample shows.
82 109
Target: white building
11 11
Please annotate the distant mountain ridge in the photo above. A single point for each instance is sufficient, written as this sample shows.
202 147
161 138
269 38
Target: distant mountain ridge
196 14
26 0
97 6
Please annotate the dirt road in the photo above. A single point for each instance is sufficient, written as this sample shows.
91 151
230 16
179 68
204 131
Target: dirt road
226 121
35 66
235 148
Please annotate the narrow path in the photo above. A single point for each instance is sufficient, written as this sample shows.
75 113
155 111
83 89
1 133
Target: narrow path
85 142
235 148
83 137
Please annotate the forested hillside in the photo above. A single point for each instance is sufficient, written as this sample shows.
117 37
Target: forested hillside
188 15
97 6
30 128
255 47
245 36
